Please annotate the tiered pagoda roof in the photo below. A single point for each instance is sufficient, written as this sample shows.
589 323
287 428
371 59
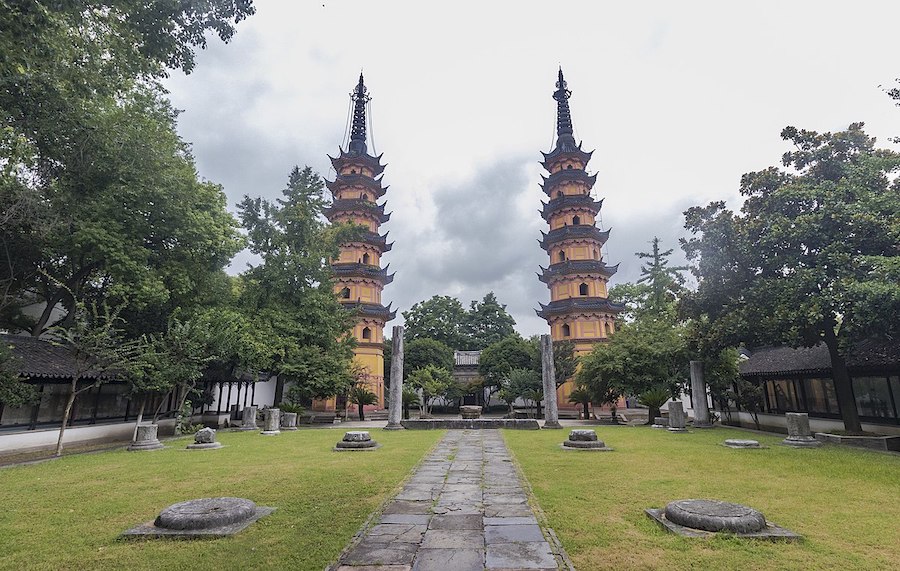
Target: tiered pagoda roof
374 310
357 206
575 175
341 181
570 201
584 231
576 268
579 304
360 270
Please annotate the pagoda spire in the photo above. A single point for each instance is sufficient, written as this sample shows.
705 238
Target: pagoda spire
565 139
360 97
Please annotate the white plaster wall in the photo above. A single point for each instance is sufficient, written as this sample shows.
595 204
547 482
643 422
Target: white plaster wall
264 395
46 438
778 423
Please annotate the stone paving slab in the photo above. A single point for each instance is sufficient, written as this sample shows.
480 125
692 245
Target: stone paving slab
464 509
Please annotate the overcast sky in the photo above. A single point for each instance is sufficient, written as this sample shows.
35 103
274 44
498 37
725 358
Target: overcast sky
678 99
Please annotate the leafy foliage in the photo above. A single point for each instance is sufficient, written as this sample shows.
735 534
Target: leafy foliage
443 318
433 382
499 359
487 322
420 353
812 257
360 395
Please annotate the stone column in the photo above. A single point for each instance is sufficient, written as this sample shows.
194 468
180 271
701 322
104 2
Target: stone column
676 417
698 394
249 422
395 408
271 421
799 434
548 372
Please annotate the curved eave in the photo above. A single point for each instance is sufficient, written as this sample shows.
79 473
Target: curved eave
573 175
360 270
574 268
584 201
375 310
373 239
573 233
579 305
373 185
346 158
357 207
558 154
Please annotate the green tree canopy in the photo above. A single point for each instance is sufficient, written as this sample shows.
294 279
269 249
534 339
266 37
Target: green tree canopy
289 298
420 353
499 359
487 322
811 258
440 318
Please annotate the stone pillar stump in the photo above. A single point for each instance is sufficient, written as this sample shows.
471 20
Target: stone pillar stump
289 421
677 419
271 422
249 422
698 394
799 434
146 438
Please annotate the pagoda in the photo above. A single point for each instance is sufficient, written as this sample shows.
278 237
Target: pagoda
358 276
577 275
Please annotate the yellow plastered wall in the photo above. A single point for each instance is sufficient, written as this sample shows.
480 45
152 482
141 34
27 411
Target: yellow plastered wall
568 219
371 358
566 164
354 254
358 292
353 168
565 289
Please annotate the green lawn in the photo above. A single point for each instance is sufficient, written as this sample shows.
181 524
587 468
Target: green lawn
844 501
67 514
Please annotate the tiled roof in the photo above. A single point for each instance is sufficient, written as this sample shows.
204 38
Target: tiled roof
466 358
872 353
39 358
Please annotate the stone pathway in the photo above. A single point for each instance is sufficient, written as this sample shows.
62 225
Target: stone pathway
464 509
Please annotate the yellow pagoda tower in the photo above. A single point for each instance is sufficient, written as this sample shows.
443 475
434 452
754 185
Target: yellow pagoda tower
358 276
579 310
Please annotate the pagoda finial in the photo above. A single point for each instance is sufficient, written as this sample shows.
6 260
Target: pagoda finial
360 97
565 140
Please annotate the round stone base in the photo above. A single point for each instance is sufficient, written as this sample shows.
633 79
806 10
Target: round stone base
808 442
205 513
394 427
356 446
715 515
204 446
288 428
737 443
246 428
670 429
596 445
145 446
270 432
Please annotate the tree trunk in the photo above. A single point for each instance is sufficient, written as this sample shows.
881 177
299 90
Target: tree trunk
587 413
362 413
653 411
842 386
65 419
140 417
279 390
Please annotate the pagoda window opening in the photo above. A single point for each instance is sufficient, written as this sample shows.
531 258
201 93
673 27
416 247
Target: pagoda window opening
365 197
562 256
352 171
366 333
576 220
566 330
345 293
365 259
596 255
559 194
568 167
583 289
608 329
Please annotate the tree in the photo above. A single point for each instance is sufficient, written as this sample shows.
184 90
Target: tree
498 360
665 284
288 298
420 353
432 381
99 353
527 384
440 318
653 398
361 396
410 398
132 222
487 322
13 391
596 382
565 363
647 354
581 395
811 258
